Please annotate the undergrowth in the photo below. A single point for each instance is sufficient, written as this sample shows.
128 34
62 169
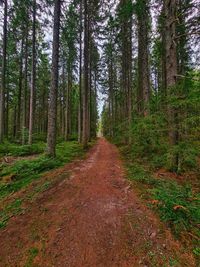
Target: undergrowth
11 149
23 172
176 204
12 209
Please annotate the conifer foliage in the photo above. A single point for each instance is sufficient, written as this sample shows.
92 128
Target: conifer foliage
57 57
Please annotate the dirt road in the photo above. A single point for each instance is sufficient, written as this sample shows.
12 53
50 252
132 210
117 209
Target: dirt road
93 218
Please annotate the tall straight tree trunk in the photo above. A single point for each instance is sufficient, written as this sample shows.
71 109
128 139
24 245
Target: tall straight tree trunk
163 56
25 90
6 119
63 96
3 78
51 135
15 122
19 109
90 86
67 108
143 58
129 60
126 32
80 115
86 76
171 69
33 77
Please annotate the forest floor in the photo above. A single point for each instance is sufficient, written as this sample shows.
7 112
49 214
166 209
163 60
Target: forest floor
90 217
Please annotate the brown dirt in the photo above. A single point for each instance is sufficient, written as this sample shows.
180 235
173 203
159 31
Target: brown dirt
91 219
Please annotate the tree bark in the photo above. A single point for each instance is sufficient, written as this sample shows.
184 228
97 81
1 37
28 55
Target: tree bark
171 70
33 77
3 78
67 108
86 76
143 59
51 135
25 91
80 115
19 108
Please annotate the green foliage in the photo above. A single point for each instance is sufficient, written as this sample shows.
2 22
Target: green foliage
66 151
148 136
177 204
196 251
33 252
10 149
188 154
23 172
139 174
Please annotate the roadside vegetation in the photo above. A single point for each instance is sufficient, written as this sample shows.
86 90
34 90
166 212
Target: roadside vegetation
22 172
18 150
174 197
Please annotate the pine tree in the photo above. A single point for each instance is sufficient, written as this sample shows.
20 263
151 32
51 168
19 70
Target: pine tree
51 137
3 76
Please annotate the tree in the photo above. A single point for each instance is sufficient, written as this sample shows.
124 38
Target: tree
85 103
80 115
126 11
33 76
142 11
3 76
51 135
171 68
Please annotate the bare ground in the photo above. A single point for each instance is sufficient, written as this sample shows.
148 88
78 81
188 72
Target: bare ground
92 218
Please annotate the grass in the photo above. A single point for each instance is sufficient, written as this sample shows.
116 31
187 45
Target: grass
32 254
10 210
23 172
15 208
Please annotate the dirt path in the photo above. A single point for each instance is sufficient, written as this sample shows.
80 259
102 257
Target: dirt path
92 219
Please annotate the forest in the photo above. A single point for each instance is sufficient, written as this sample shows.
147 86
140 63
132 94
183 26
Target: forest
99 118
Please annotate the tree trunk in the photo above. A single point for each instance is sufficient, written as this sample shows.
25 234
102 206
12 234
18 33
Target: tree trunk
86 77
33 77
80 115
51 135
25 91
19 109
67 108
3 78
143 59
171 69
129 60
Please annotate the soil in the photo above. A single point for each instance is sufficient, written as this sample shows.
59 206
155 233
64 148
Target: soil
91 218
